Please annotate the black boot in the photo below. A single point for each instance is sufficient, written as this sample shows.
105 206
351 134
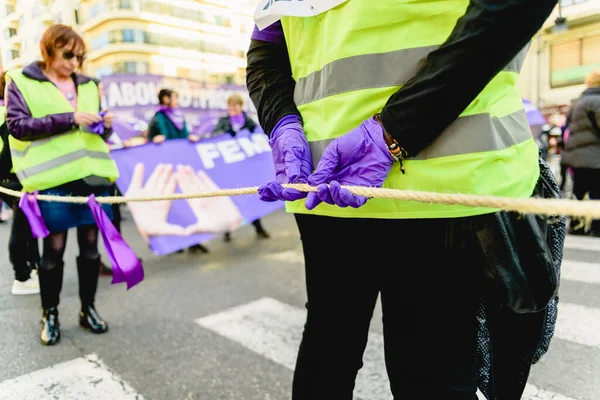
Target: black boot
88 271
51 278
50 327
198 248
260 231
90 320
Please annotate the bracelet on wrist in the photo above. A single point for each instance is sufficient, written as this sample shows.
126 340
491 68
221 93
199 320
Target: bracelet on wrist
397 152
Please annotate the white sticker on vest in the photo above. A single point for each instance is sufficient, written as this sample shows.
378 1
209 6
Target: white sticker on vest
271 11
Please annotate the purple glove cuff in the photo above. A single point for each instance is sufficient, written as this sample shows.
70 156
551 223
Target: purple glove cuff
375 132
291 121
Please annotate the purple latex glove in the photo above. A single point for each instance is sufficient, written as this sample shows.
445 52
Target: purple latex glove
98 127
31 209
126 265
358 158
292 158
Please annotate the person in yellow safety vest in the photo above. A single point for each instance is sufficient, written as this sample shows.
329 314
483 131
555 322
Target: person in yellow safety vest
414 95
58 147
23 248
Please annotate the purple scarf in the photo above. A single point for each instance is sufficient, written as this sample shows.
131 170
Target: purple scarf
174 115
237 121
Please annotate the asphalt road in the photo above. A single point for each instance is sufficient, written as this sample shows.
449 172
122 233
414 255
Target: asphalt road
225 325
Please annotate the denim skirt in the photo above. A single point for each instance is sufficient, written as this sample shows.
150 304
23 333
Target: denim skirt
60 217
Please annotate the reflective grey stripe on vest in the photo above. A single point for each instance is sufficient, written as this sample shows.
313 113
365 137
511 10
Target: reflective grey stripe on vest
37 143
371 71
470 134
57 162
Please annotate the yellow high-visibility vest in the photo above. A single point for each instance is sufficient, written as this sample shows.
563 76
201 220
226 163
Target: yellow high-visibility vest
67 157
349 60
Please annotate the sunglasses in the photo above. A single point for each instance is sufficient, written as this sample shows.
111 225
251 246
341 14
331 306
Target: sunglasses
69 55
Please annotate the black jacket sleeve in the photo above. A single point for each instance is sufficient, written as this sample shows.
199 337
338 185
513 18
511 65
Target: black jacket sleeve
483 42
221 126
270 83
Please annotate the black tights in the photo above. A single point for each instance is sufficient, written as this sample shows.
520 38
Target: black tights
56 243
88 263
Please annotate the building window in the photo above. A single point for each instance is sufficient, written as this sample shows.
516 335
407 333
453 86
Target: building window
126 4
100 41
571 61
9 9
130 67
128 36
139 36
36 9
104 71
9 32
12 55
96 9
222 21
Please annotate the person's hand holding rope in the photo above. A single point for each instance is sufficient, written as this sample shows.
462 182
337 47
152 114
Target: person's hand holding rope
292 159
358 158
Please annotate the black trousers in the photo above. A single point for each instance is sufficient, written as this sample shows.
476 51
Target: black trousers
116 208
258 226
428 273
23 250
587 180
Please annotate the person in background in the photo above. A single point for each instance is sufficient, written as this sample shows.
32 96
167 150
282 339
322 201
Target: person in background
57 141
23 248
582 150
167 124
237 120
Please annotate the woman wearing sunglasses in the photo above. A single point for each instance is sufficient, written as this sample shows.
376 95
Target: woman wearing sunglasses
58 147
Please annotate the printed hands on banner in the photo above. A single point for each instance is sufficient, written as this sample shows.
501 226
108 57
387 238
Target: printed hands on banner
217 214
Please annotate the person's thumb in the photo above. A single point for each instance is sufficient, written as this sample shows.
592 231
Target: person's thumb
326 166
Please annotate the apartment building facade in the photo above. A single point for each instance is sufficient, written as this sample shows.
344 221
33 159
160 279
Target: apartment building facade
565 50
204 40
22 23
198 39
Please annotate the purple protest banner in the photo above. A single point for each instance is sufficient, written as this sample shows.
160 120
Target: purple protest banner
179 166
133 100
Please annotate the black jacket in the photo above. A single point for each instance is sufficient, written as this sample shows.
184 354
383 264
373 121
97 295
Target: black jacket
7 179
224 125
5 157
582 149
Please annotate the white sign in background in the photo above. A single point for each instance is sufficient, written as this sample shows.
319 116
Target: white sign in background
270 11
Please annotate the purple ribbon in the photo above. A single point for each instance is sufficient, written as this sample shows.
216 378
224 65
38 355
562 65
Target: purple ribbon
31 209
125 263
98 127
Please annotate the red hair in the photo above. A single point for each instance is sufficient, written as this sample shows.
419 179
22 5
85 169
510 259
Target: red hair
59 36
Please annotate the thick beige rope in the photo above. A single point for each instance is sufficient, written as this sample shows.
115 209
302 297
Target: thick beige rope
573 208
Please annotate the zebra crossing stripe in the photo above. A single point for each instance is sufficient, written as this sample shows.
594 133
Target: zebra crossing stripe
578 324
582 243
580 272
84 378
273 330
